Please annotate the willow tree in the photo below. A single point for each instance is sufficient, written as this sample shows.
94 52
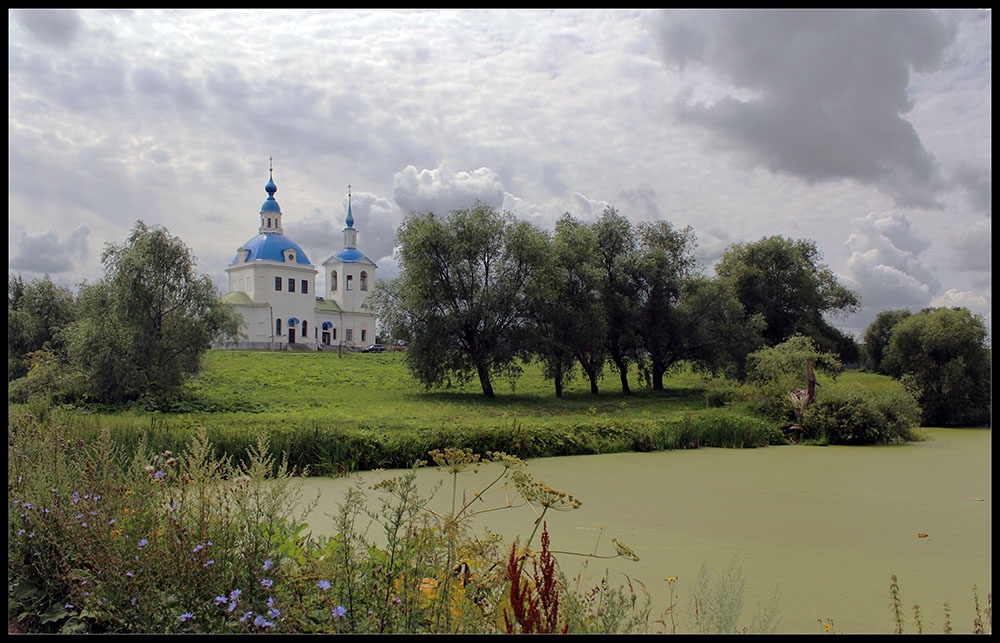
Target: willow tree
146 324
785 281
462 296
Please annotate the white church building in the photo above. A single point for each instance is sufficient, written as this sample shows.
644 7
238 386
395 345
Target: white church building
272 284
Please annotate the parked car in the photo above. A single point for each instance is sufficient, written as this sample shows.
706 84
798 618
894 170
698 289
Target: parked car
374 348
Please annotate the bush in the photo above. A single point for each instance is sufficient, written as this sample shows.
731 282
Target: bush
185 543
854 415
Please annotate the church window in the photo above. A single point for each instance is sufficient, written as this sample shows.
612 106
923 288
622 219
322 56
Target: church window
335 334
350 282
363 334
269 222
291 285
305 328
277 283
333 281
305 287
349 334
364 280
277 327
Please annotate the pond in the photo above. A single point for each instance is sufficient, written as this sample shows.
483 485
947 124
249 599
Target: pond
822 528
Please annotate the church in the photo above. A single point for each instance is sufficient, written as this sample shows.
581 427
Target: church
272 284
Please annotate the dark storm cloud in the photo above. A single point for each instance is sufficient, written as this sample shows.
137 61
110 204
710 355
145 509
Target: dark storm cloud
45 252
57 27
819 94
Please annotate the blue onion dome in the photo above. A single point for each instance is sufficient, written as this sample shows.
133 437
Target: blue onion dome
350 255
270 205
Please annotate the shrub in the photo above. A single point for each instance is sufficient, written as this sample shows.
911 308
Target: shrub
854 415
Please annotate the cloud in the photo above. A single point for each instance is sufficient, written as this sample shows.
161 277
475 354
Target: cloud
46 252
885 266
56 27
440 190
817 94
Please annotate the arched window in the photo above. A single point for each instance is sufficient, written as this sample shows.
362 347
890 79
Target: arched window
333 280
350 282
364 280
305 328
277 327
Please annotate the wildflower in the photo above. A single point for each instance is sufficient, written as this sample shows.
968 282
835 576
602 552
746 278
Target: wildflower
266 582
231 607
210 562
186 616
219 600
248 614
143 542
397 600
68 606
270 601
274 612
158 475
340 611
268 564
323 584
112 521
260 621
235 594
826 626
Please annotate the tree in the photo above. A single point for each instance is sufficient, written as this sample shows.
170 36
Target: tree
877 337
941 354
571 311
711 329
148 321
37 314
784 281
664 261
463 293
616 243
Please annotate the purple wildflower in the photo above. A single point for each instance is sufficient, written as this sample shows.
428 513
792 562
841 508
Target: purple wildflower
268 564
323 584
186 616
143 542
266 582
339 611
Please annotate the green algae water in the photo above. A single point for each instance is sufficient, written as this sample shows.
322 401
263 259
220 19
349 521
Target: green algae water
822 529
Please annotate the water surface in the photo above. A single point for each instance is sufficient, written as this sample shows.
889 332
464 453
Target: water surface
827 527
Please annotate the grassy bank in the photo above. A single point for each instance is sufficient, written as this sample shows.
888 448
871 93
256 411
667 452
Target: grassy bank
332 413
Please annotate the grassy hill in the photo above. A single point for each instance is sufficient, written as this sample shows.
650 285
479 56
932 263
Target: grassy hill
331 413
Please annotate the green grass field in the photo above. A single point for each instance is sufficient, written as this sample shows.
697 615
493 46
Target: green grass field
358 390
331 413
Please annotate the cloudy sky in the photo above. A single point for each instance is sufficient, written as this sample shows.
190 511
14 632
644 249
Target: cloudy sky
868 132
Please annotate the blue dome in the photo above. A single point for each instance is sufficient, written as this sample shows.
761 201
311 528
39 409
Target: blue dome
271 247
350 255
270 205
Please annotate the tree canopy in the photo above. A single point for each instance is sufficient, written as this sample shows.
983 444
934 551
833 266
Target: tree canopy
785 282
38 313
942 355
462 296
148 321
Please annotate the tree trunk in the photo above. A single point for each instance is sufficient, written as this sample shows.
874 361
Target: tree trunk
484 379
622 367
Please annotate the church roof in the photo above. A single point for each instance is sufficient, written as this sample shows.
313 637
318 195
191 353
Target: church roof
237 299
270 246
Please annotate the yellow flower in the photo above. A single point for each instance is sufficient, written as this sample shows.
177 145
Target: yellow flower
427 586
116 533
126 511
827 627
